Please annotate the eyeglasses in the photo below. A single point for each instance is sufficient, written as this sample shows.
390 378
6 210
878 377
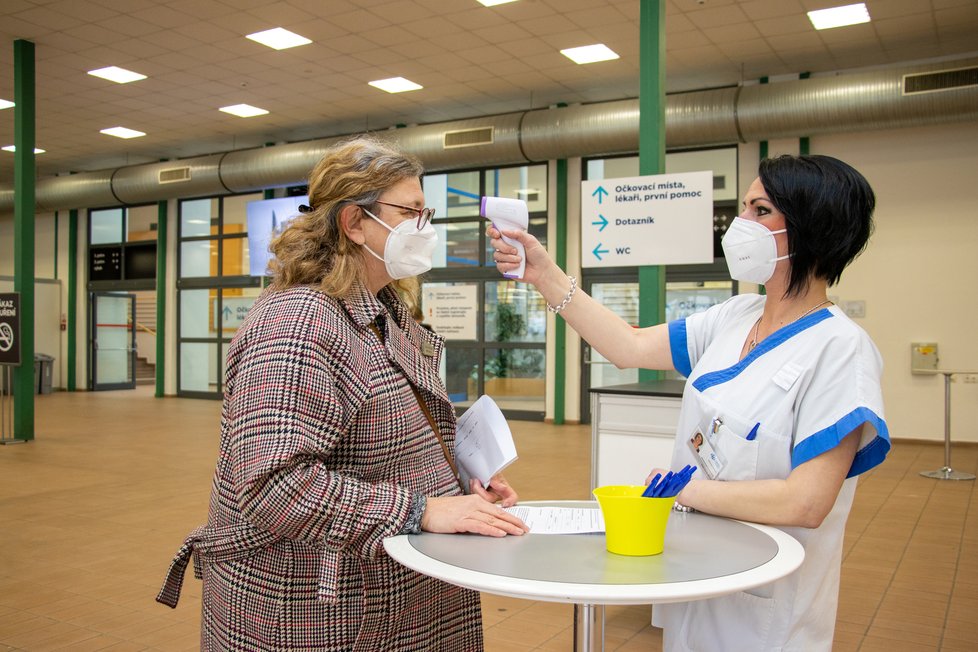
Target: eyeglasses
424 214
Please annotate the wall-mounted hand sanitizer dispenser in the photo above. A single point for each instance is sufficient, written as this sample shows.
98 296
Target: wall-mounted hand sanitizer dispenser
923 357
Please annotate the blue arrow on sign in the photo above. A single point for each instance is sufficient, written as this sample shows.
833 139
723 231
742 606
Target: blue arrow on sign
598 251
227 312
603 221
600 192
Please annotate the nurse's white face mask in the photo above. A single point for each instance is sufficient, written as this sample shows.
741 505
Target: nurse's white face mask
408 250
751 251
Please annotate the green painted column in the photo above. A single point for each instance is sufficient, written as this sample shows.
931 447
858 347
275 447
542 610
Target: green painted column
652 150
161 250
804 145
560 328
72 297
24 174
762 145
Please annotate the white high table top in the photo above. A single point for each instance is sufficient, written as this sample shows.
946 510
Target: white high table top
704 557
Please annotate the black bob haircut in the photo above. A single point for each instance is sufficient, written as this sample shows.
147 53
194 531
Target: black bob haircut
828 211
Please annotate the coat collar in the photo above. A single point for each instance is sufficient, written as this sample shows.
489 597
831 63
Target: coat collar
413 349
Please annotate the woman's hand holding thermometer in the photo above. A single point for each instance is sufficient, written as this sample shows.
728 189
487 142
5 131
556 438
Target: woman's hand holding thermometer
508 215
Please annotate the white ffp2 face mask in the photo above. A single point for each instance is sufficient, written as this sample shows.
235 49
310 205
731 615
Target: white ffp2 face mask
751 251
408 251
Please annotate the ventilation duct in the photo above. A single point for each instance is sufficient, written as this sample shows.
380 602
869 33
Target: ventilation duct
938 93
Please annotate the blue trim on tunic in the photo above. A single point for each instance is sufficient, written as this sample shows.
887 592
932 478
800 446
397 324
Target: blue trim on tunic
769 343
828 438
680 347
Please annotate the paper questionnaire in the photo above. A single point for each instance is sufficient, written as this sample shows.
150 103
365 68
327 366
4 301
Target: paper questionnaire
483 442
559 520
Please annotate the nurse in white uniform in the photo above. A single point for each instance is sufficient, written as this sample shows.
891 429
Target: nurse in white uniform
782 407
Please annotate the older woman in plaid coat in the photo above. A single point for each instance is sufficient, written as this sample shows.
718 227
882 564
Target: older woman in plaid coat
326 447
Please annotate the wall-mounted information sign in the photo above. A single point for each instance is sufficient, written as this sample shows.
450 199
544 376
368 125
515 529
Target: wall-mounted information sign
10 328
662 219
105 263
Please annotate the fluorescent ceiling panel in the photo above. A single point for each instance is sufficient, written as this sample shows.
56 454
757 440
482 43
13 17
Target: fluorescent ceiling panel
493 3
117 75
590 53
279 39
243 110
12 148
395 85
122 132
839 16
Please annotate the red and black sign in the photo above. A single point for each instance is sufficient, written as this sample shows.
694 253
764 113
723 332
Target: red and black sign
10 328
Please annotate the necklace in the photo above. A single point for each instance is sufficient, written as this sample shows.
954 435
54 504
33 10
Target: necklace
757 324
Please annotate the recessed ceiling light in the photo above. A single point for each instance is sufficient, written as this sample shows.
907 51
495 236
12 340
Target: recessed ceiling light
117 75
243 110
839 16
278 38
395 85
122 132
13 148
590 53
493 3
5 104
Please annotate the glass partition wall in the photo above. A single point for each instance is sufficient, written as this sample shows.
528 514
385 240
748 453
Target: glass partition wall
214 289
495 329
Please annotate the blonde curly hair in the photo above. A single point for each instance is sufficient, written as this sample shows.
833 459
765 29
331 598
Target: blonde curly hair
314 250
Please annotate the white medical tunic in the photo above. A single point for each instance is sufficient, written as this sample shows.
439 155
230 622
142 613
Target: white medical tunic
795 396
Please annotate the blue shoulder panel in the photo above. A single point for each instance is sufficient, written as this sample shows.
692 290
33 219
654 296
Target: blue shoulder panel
828 438
769 343
680 347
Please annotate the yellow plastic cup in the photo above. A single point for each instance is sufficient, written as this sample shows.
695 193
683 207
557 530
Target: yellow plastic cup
634 525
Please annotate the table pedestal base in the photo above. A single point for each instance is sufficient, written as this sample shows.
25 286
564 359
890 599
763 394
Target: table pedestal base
588 628
947 473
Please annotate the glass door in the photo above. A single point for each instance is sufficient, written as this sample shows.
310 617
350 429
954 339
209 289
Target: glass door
620 294
113 340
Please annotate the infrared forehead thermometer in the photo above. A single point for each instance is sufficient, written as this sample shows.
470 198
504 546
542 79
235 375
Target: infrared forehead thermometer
509 215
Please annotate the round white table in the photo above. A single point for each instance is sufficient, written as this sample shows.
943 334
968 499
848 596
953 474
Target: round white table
578 569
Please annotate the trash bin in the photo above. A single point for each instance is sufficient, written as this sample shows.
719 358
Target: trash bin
43 370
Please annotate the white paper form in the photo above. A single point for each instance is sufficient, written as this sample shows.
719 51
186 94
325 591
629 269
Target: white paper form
483 442
559 520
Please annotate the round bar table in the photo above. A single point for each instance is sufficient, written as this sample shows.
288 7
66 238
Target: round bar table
946 472
578 569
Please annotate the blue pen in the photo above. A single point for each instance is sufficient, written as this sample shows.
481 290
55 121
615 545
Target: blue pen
662 485
649 490
752 435
677 480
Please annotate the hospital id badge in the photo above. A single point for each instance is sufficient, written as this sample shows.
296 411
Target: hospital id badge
708 458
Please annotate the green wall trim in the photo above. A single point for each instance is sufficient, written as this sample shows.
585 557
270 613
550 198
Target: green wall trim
56 221
560 328
24 179
72 296
652 150
161 249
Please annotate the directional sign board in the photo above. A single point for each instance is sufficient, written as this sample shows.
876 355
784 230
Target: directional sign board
663 219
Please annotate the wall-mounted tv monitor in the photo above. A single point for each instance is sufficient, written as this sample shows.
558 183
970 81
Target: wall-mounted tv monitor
266 219
140 260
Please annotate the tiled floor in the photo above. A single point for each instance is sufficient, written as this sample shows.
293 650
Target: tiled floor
92 511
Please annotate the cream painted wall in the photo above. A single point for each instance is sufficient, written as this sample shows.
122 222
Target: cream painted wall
919 274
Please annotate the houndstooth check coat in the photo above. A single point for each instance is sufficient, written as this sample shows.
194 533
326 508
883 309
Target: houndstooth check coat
322 446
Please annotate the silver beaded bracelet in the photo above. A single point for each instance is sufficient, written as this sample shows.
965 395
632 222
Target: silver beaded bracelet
567 299
682 508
